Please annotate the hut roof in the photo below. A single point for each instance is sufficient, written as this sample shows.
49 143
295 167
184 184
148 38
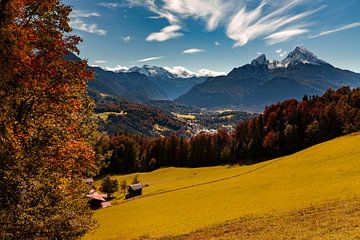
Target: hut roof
136 186
97 196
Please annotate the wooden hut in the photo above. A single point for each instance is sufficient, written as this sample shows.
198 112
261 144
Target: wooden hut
134 190
97 200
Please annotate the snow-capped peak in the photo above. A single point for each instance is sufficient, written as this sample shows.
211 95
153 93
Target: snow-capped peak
152 71
301 55
180 72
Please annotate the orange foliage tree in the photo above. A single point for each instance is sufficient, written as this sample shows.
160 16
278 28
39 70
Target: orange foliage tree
48 138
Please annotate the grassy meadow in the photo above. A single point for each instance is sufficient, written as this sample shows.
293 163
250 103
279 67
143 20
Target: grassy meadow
179 201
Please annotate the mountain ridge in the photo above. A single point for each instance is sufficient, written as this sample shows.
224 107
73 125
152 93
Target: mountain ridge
248 86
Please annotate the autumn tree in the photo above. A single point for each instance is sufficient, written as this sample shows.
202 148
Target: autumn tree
48 136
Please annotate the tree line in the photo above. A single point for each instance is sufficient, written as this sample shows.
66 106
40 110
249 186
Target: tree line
282 129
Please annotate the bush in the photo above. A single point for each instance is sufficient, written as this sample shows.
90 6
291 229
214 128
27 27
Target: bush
109 186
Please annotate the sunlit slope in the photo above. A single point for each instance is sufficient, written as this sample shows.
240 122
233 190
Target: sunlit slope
322 173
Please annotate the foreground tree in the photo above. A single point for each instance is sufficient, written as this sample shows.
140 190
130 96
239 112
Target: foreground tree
47 134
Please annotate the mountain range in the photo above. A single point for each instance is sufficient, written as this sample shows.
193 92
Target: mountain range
250 87
264 82
173 85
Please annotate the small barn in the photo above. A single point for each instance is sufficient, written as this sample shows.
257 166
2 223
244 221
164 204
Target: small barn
134 190
97 200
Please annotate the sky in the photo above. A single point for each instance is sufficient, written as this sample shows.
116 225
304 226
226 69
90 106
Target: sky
214 36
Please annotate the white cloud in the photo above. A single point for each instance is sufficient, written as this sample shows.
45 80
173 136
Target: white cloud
343 28
279 51
283 54
127 39
77 22
150 59
117 68
249 25
243 20
259 53
193 51
210 73
165 34
211 11
83 14
284 35
110 5
217 43
159 11
100 61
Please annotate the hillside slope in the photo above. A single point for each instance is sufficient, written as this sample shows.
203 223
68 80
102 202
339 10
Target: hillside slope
179 201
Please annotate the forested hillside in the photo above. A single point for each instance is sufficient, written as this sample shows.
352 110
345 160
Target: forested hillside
283 128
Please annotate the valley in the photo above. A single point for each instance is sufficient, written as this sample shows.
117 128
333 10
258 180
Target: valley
163 118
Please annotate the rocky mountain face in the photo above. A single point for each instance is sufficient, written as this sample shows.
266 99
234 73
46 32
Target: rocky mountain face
264 82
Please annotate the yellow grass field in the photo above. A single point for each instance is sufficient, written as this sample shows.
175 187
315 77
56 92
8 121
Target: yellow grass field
179 201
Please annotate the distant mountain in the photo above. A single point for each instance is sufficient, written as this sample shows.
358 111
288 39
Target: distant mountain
264 82
129 85
173 85
132 85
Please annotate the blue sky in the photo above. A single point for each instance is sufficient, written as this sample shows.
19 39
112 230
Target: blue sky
215 35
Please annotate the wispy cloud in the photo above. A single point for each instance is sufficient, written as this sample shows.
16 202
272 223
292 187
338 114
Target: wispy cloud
83 14
150 59
248 25
211 11
242 20
85 27
77 22
217 43
126 39
165 34
280 52
284 35
283 54
193 51
335 30
100 61
110 5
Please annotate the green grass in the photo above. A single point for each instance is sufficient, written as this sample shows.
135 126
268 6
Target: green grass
326 172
